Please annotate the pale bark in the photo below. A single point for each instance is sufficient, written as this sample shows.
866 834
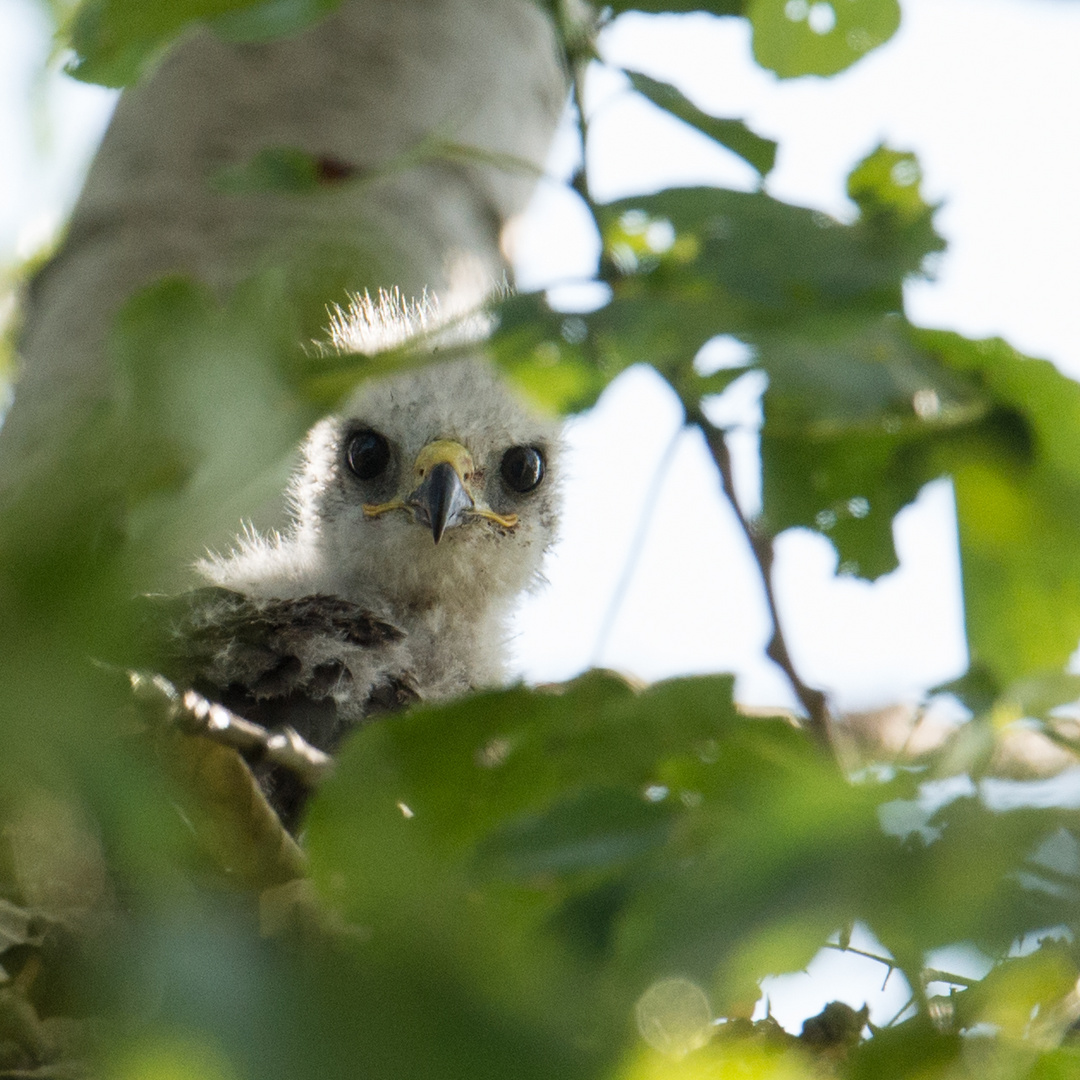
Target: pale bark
361 90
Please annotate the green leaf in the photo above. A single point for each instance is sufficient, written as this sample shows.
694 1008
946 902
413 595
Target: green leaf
915 1048
733 134
851 408
592 829
663 7
563 362
1017 988
117 41
641 832
1037 696
547 354
1060 1064
769 258
977 688
819 37
1017 481
886 183
572 848
211 411
852 399
982 876
269 19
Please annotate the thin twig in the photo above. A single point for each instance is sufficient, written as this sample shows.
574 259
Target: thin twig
761 545
579 25
580 180
933 975
861 952
890 965
637 546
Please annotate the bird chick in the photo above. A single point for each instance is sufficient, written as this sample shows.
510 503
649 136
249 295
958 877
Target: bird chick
420 512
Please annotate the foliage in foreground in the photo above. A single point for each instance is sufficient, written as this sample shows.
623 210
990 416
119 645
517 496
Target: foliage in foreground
582 881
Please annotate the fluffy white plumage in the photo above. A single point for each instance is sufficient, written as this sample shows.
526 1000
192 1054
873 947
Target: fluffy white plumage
451 598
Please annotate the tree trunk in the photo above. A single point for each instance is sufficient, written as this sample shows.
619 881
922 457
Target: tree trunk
383 96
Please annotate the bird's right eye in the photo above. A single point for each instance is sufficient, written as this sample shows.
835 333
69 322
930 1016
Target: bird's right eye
368 454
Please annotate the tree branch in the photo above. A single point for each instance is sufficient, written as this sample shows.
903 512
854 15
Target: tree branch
761 545
196 715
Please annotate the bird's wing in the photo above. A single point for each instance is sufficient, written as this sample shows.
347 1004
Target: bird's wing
317 664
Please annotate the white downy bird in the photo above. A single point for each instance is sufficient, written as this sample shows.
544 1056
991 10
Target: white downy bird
420 512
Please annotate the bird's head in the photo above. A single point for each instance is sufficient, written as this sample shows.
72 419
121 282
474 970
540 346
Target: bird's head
436 487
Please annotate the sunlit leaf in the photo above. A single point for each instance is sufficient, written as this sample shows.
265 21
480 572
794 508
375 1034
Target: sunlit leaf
660 7
116 41
547 353
819 37
1019 989
620 823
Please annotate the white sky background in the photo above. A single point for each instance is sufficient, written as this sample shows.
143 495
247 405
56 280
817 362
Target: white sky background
983 90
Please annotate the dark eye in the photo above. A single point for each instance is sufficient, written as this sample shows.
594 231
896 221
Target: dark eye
368 454
522 468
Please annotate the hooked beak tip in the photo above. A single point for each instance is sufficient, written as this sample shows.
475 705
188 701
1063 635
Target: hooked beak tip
441 500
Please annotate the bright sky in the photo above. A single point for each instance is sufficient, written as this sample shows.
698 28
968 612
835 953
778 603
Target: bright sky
985 92
982 90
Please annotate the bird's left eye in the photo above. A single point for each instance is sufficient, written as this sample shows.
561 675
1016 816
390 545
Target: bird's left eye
522 468
368 454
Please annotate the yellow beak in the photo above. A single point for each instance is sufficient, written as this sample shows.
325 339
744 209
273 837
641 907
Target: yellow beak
442 498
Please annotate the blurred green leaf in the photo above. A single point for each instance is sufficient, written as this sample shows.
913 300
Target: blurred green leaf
1038 695
600 840
597 828
564 361
734 134
977 688
639 832
886 184
117 41
853 400
1017 481
1018 989
977 877
208 395
547 353
283 169
912 1049
662 7
1060 1064
819 37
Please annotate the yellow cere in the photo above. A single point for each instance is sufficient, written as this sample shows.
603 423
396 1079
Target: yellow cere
458 457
